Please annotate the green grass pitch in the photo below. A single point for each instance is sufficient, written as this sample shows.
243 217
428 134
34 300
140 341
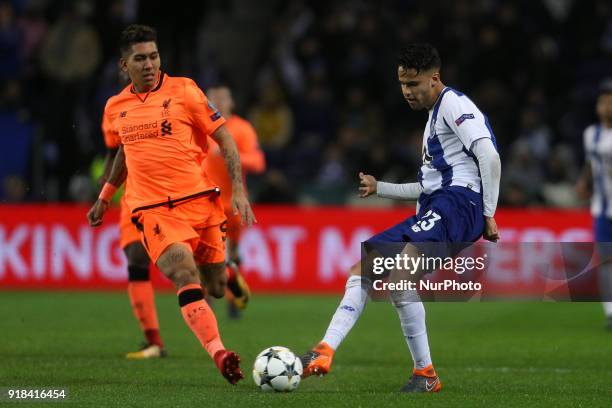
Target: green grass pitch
487 354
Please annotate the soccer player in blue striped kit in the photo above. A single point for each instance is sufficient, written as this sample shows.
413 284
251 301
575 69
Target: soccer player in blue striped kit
456 193
596 181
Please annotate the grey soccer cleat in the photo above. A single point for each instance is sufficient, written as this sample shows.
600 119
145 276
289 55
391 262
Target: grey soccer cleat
424 380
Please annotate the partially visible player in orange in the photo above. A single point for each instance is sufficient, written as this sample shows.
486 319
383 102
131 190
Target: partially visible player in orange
253 161
140 289
165 124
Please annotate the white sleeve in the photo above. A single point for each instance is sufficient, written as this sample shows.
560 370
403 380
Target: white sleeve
464 118
408 191
490 173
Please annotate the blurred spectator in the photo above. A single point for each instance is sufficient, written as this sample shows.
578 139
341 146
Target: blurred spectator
71 51
536 133
272 118
522 177
69 57
561 174
314 112
362 113
14 189
10 43
321 81
275 189
33 27
80 189
333 169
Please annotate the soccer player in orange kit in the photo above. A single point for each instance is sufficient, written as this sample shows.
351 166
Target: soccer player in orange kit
164 124
253 161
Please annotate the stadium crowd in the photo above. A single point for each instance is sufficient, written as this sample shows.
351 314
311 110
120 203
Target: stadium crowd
317 80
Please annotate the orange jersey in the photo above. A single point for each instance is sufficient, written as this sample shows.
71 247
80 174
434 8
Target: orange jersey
111 137
251 156
164 138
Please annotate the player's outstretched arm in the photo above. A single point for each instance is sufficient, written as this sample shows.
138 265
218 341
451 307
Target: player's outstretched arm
117 176
369 185
240 202
406 191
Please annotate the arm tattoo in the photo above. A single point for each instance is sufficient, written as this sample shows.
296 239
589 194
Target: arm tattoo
172 258
118 172
231 157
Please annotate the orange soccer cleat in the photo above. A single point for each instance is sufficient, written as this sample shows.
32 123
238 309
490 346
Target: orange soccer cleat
318 361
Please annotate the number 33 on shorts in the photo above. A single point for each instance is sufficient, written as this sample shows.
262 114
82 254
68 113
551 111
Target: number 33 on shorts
426 222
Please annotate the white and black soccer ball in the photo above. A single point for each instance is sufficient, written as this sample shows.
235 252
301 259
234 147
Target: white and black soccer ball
277 368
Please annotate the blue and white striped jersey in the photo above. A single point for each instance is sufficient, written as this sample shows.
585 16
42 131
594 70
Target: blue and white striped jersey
454 124
598 149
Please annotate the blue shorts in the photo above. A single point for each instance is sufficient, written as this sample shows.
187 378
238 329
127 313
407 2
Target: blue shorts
602 228
452 214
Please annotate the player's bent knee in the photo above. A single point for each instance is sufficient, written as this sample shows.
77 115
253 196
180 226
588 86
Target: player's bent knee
136 255
182 276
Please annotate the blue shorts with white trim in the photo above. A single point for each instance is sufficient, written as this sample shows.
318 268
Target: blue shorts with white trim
451 214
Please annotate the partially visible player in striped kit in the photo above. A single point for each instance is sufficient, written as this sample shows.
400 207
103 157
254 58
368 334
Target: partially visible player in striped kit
596 181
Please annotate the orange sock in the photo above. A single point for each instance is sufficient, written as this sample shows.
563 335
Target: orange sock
143 306
200 318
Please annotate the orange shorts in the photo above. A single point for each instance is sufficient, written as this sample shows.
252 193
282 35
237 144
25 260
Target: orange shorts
234 225
128 233
200 223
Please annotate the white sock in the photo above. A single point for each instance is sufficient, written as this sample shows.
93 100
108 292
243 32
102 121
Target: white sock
412 319
351 306
607 309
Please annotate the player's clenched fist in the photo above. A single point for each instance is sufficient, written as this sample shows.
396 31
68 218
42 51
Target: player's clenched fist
367 185
490 232
96 213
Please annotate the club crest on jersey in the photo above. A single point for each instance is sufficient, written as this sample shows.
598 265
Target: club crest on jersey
123 114
463 118
166 108
166 128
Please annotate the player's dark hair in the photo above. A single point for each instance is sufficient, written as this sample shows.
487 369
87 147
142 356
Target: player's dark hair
419 56
605 87
134 34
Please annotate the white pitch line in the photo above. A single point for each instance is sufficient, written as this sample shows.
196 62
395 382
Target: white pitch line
522 369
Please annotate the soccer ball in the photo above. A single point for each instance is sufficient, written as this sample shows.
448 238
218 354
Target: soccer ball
277 368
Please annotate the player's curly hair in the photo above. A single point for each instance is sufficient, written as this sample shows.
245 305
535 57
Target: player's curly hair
134 34
419 56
